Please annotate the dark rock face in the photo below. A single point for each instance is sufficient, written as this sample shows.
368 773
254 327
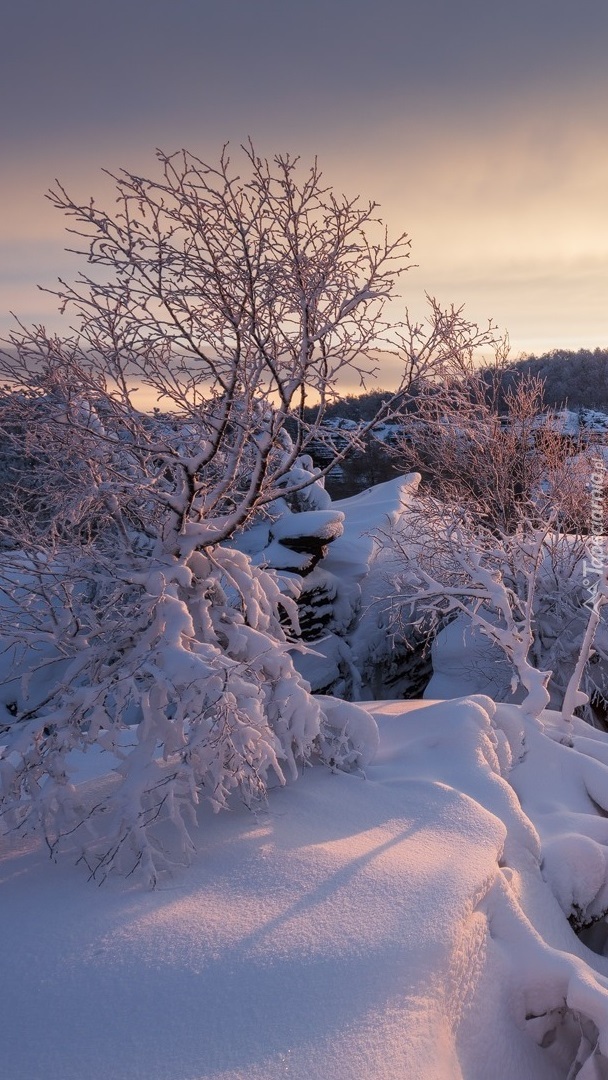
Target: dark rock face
314 546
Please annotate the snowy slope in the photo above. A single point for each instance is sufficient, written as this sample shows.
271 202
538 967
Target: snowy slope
396 925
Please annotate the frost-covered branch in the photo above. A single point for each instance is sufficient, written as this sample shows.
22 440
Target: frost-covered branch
212 309
451 568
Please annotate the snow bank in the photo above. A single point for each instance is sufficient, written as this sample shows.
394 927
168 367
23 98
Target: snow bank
396 925
351 554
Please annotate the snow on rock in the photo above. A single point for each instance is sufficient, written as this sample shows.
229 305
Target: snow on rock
325 524
353 551
342 572
296 541
593 420
344 588
393 926
327 666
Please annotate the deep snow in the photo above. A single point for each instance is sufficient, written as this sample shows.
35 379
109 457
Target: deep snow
396 925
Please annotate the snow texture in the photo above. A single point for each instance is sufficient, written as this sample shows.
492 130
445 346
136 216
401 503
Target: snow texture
392 925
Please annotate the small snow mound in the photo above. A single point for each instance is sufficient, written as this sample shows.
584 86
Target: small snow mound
349 735
574 866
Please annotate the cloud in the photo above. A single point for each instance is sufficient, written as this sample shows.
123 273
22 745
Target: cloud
481 129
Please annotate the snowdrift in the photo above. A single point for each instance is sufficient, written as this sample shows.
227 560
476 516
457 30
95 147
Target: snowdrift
377 926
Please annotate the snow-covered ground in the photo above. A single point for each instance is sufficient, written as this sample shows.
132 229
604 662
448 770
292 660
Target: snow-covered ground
392 925
410 922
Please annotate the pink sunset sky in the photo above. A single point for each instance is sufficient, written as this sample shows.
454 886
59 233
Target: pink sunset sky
481 129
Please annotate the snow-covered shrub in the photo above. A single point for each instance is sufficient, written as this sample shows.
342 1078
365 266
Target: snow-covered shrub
499 536
144 640
349 737
451 566
180 672
183 677
571 635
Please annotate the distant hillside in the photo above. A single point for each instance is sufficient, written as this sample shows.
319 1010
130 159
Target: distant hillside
575 384
353 406
576 379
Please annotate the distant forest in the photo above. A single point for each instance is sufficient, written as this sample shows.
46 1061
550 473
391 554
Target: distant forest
575 379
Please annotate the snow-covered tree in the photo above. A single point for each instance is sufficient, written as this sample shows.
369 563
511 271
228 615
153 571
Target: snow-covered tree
131 623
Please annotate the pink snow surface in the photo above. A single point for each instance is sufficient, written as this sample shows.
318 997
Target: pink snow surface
360 928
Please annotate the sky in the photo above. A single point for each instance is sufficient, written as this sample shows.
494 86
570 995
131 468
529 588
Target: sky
481 129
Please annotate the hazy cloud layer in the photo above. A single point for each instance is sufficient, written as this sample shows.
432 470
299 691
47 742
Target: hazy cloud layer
481 128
